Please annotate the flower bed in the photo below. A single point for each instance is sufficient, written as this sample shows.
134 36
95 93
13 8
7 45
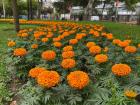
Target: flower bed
65 63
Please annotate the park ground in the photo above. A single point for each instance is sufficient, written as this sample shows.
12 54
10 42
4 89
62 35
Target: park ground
7 31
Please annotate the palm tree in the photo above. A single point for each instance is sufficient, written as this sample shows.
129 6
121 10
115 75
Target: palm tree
15 15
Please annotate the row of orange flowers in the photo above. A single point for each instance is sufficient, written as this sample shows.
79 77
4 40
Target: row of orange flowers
47 78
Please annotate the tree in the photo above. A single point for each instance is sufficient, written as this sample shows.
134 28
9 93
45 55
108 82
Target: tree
90 5
104 5
5 8
82 3
131 6
15 14
90 8
39 7
62 6
22 7
4 11
29 5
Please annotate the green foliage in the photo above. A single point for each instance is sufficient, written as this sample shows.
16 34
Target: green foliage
109 93
61 7
131 4
5 94
22 7
62 95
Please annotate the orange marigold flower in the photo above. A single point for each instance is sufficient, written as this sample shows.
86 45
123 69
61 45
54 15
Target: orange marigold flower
95 49
91 31
109 36
68 63
73 41
83 31
34 72
90 44
68 54
44 40
34 46
30 29
130 49
78 37
96 34
123 44
116 41
57 44
11 43
101 58
21 31
24 34
130 93
106 49
104 34
72 31
56 39
138 45
128 41
20 52
50 35
48 55
121 69
84 34
38 34
61 36
67 48
66 34
78 79
48 79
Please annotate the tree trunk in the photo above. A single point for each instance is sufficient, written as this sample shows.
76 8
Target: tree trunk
116 13
31 10
89 10
138 20
103 10
138 16
15 15
28 9
29 5
39 9
4 11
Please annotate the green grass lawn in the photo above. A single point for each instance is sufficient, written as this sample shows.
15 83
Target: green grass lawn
7 32
121 30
